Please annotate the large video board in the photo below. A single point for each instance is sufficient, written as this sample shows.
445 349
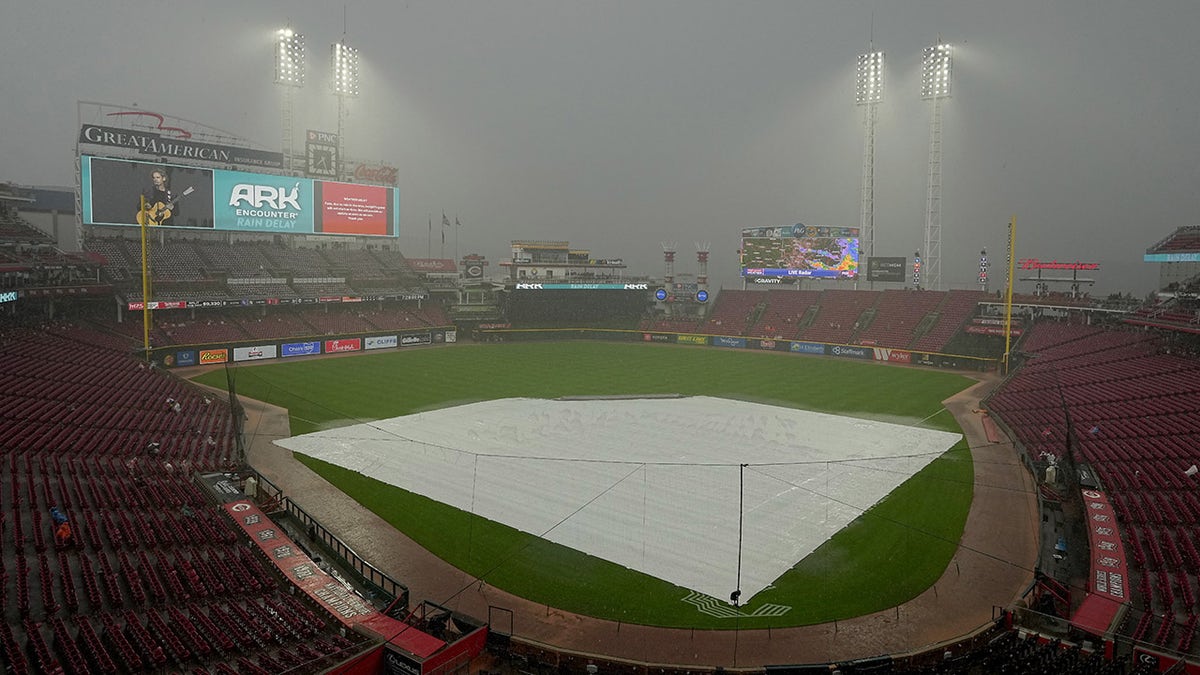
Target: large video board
800 251
213 199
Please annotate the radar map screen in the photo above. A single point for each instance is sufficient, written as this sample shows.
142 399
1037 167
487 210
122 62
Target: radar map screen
800 251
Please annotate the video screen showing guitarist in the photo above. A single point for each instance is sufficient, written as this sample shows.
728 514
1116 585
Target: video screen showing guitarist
176 196
161 205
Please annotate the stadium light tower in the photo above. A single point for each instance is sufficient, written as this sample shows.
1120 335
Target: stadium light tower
868 94
289 73
345 85
935 87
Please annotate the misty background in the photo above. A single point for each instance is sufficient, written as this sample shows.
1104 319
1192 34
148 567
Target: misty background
618 125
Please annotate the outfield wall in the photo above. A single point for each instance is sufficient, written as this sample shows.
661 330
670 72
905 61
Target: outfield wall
186 356
857 352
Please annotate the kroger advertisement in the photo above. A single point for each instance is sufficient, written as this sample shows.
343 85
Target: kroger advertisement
175 196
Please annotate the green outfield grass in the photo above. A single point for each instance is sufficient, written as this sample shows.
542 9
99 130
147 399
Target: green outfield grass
888 555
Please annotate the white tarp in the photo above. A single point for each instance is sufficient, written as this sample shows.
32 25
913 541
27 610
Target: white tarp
651 484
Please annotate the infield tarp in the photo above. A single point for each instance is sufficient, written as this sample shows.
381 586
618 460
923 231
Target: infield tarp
650 484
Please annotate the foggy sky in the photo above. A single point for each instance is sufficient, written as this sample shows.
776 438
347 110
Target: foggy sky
618 125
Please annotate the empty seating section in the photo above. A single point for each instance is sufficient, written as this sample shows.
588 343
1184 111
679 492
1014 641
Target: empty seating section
289 272
355 264
733 312
781 317
838 318
897 315
1135 418
152 577
238 260
336 321
670 325
276 325
302 261
1184 239
205 331
261 291
956 309
323 289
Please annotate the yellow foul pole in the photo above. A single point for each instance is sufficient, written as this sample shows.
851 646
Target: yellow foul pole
1012 266
145 283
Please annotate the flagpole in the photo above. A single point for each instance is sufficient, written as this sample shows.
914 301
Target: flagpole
429 240
456 226
445 224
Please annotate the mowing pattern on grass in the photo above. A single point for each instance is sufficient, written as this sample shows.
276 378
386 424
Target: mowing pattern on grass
888 555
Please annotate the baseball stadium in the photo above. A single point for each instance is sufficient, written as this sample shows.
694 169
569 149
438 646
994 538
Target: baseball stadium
244 432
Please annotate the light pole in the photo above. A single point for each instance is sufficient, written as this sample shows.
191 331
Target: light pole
289 73
935 86
868 94
345 85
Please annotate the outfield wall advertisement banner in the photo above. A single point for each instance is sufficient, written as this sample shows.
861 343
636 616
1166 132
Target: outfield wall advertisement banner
300 348
725 341
692 339
891 355
381 342
255 353
344 345
815 348
211 356
846 351
237 201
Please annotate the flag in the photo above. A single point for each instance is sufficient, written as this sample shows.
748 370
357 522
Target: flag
445 220
456 223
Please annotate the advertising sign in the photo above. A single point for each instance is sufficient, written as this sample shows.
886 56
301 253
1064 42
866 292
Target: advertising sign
807 348
418 339
852 352
451 336
321 154
655 337
300 348
381 342
155 145
800 251
210 356
238 201
892 355
724 341
886 269
254 353
538 286
344 345
186 357
770 344
992 330
692 339
138 306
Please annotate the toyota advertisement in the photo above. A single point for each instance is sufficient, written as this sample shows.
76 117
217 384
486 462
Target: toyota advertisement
112 193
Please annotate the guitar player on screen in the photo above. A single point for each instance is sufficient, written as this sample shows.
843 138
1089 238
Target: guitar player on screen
162 205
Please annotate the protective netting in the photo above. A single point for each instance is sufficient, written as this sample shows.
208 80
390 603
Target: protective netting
650 484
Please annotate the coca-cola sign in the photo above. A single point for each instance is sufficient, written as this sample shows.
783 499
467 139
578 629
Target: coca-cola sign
376 173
